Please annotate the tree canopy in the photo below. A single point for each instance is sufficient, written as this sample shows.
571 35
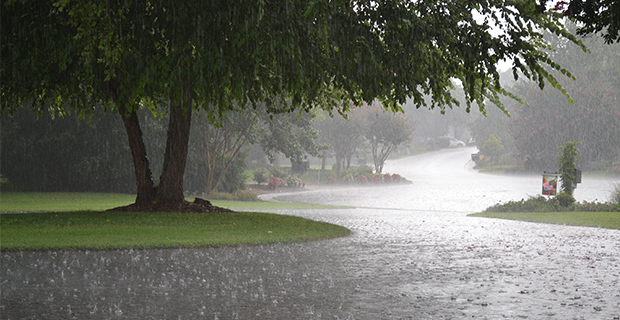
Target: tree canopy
59 55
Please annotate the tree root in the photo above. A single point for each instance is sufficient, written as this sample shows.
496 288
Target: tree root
199 205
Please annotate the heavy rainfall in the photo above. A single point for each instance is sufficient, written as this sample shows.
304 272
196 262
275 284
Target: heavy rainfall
404 183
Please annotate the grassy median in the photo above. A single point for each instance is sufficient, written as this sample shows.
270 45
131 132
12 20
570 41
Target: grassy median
608 220
63 228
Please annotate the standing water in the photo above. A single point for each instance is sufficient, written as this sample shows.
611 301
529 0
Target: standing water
413 254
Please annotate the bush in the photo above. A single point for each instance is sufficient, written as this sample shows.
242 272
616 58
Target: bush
348 178
387 178
275 182
331 179
245 196
396 178
261 175
293 181
565 199
542 204
615 194
361 179
377 178
279 172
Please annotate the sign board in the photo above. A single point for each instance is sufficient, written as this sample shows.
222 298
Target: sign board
550 184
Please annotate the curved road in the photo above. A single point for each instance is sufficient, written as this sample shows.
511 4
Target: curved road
413 254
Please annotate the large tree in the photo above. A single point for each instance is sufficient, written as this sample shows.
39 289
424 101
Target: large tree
593 15
124 55
385 131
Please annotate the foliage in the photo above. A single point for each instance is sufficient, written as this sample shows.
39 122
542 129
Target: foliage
279 172
361 179
595 16
492 147
565 199
291 134
567 159
396 178
357 170
293 181
343 135
594 118
127 55
540 203
235 176
385 131
348 178
65 154
275 182
615 194
261 175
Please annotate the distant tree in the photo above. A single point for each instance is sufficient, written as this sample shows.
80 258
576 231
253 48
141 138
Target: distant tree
58 55
343 135
594 118
385 131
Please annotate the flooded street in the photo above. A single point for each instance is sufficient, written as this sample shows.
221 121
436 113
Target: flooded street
413 254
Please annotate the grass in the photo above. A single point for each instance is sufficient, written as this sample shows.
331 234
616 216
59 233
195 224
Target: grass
68 201
76 221
114 230
608 220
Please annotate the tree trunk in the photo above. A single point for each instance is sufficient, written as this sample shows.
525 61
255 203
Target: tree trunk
170 190
144 178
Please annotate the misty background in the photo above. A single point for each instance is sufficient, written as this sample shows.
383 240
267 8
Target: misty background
69 153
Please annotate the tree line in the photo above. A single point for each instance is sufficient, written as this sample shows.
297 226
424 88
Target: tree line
72 154
289 55
533 133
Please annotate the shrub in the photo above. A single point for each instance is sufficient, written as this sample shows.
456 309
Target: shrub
275 182
348 178
293 181
331 179
279 172
261 175
542 204
567 157
377 178
615 194
396 177
387 178
361 179
245 196
565 199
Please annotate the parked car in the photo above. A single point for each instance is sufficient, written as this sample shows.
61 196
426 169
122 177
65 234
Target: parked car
452 142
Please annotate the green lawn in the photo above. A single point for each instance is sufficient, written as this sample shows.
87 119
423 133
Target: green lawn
78 201
77 221
608 220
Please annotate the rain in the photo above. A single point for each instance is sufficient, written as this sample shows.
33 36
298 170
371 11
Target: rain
413 253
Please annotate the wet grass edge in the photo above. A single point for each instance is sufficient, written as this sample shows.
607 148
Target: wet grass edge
606 220
98 230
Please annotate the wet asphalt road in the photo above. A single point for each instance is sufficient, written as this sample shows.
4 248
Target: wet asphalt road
413 254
